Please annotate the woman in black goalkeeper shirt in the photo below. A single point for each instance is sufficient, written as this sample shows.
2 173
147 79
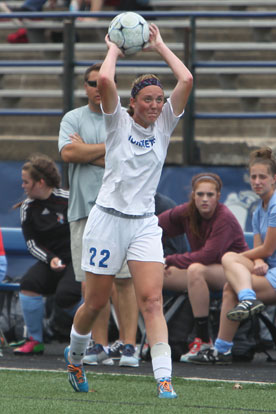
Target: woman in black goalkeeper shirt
47 235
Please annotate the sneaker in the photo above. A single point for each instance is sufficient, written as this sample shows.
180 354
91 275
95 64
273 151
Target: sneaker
211 356
145 353
16 344
129 357
165 389
31 347
76 374
20 36
97 355
245 309
195 347
116 349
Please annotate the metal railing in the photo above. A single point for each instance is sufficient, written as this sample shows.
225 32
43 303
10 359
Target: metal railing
190 22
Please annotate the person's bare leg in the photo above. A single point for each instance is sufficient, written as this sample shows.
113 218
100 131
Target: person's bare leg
238 271
202 279
175 279
127 309
97 293
227 328
100 326
148 281
264 292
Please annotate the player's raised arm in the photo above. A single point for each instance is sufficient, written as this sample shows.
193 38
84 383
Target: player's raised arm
184 77
106 82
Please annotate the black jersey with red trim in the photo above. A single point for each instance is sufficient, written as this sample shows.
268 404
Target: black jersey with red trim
45 226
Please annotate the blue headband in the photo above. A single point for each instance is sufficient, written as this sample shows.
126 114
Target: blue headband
146 82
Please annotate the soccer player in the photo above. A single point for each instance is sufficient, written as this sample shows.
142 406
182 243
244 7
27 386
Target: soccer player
123 224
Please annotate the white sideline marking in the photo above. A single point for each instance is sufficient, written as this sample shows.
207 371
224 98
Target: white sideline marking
137 375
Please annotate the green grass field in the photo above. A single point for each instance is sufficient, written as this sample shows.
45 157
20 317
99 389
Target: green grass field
41 392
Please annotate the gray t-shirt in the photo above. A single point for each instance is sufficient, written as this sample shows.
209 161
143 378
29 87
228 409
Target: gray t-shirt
84 179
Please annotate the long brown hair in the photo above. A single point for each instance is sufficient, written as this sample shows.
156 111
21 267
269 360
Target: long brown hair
193 213
40 166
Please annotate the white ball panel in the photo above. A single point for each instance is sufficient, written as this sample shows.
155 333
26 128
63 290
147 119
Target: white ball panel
129 31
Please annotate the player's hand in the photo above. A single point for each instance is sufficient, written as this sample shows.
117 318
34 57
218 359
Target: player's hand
260 267
76 138
154 39
111 45
57 265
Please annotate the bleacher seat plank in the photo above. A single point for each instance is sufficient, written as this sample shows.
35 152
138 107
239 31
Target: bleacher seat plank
211 3
188 3
235 93
53 93
176 23
124 93
78 70
176 46
234 71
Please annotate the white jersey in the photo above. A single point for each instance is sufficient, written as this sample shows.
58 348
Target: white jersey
134 160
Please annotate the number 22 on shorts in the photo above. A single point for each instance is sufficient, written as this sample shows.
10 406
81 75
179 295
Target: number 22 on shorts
95 261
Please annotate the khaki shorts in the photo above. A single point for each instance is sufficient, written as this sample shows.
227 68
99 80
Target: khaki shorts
77 229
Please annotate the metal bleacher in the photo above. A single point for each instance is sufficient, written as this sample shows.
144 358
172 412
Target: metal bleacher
231 54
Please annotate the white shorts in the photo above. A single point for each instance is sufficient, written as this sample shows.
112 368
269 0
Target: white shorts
77 230
108 240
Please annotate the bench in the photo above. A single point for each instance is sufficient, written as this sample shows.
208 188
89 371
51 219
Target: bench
236 93
175 46
250 98
18 257
190 3
124 93
163 23
54 93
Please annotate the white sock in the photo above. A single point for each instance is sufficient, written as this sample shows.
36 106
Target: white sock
161 361
106 349
78 346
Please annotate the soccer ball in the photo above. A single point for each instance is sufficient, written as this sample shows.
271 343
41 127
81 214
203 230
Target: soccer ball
129 31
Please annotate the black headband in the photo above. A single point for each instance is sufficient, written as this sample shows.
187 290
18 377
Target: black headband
146 82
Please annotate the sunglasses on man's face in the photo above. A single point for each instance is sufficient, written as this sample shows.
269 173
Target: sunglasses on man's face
93 84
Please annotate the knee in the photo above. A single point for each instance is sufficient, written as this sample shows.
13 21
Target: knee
94 305
151 304
228 258
195 274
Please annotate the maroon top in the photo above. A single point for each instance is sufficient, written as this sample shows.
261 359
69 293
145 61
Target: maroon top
220 234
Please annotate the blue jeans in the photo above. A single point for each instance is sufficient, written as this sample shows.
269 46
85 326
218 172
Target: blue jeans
3 267
33 5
